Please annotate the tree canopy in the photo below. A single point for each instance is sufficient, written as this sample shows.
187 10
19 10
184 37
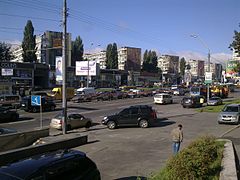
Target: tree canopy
112 56
5 53
77 51
182 66
235 45
150 61
29 44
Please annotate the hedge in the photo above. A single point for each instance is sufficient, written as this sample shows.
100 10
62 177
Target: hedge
200 160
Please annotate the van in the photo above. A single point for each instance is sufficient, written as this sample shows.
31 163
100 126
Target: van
86 91
12 101
163 98
56 93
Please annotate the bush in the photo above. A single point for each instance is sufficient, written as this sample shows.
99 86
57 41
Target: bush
201 160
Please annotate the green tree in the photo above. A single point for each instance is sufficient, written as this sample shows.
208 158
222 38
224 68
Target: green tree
114 56
235 45
5 53
29 44
77 51
109 56
150 61
182 66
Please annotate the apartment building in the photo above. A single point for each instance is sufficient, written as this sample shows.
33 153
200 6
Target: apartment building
216 70
17 53
129 59
100 57
196 69
169 65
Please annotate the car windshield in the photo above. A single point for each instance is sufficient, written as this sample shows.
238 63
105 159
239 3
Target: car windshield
230 109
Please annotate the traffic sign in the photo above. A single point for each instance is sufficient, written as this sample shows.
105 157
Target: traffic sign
36 100
208 77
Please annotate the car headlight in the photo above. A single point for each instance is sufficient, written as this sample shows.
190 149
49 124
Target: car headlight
234 117
105 118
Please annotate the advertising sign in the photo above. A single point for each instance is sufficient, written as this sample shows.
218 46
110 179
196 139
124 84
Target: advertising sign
85 67
230 69
58 65
7 72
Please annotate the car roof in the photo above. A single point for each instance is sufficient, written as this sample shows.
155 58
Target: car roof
26 167
233 105
140 106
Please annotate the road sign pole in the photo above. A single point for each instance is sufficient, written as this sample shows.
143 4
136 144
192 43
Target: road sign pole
41 122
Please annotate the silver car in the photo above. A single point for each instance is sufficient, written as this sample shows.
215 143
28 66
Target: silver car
230 114
214 101
74 120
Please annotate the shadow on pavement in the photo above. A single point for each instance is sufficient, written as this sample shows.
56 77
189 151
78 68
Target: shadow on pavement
84 108
162 124
132 178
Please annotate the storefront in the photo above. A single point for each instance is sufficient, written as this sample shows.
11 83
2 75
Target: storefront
19 78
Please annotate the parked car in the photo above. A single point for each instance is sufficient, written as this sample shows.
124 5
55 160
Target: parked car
10 100
60 164
214 101
7 131
139 115
74 120
103 96
178 92
7 114
81 98
163 98
192 101
47 104
230 114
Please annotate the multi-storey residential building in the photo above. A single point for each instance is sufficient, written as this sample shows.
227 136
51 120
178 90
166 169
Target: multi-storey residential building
129 59
17 53
216 70
100 57
236 56
169 65
50 46
196 69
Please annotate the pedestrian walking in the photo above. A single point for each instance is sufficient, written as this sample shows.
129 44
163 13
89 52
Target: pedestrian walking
177 138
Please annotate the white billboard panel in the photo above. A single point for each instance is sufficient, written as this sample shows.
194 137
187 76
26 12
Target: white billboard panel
7 72
82 68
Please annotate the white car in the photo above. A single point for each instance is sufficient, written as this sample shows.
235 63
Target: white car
163 98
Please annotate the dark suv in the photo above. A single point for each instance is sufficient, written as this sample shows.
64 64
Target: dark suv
193 101
61 164
47 104
139 115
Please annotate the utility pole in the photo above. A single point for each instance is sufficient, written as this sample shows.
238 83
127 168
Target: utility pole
64 99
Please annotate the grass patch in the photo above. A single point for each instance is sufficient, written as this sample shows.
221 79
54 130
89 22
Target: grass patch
219 107
200 160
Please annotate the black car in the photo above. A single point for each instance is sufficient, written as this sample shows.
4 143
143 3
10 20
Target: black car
193 101
47 104
6 114
139 115
61 164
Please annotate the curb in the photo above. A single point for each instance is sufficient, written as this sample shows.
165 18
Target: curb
229 168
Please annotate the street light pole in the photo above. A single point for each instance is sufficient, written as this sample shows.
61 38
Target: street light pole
209 56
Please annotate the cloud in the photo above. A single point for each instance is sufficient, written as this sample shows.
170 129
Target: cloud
215 57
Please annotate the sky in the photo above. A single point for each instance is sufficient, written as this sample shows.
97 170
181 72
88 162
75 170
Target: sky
164 26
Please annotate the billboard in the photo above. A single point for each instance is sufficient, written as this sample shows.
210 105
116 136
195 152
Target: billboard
83 67
58 65
230 69
7 72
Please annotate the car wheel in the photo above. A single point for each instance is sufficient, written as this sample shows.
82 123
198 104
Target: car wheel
143 123
14 117
52 108
111 125
34 110
69 127
88 125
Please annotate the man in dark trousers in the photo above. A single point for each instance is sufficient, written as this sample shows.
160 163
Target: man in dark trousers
177 138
